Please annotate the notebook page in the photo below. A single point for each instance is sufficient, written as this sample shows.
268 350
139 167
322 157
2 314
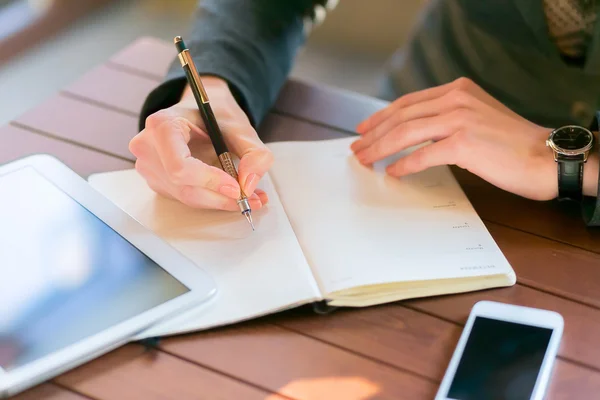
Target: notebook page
358 226
256 272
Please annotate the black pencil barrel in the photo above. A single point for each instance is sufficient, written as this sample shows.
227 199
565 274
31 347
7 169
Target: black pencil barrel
210 122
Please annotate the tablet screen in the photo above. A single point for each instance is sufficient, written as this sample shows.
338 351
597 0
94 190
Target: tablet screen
65 274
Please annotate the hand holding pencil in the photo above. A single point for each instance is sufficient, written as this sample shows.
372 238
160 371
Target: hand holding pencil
178 159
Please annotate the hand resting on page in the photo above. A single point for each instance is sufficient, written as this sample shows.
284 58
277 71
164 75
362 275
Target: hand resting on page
467 127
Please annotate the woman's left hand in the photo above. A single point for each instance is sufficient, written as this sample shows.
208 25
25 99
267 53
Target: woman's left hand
470 129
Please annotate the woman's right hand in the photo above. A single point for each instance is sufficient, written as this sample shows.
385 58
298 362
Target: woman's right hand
176 158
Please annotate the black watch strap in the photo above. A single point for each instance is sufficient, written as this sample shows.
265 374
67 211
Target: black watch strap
570 179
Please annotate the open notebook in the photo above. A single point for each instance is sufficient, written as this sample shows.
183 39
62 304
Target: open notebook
333 230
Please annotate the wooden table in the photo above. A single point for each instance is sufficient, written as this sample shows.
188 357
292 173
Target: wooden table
395 351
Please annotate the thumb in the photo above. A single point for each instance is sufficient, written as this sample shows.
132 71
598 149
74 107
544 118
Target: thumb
255 157
254 164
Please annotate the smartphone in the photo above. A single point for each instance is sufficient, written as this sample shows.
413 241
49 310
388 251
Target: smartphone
506 352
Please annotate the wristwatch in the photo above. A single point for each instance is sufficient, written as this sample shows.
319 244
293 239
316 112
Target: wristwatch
571 145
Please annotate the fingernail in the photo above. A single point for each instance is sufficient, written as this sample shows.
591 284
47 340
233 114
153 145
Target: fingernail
264 198
256 198
355 145
230 191
390 170
251 182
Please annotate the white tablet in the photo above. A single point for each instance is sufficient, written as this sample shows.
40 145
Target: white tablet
78 276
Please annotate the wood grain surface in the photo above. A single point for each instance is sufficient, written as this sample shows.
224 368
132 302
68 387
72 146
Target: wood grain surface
49 391
17 142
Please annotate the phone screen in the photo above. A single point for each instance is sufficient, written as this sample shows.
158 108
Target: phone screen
501 361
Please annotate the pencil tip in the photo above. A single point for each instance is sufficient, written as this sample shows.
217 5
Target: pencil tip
249 218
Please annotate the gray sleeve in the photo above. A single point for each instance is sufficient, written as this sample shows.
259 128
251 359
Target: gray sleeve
251 44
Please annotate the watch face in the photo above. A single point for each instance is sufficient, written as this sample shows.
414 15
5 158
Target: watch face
572 138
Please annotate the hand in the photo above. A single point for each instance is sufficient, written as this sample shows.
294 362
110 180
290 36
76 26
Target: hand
175 156
470 129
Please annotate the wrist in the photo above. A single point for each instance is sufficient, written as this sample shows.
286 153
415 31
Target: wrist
213 85
222 100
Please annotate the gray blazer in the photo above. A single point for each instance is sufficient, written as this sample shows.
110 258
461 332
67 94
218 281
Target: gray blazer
503 45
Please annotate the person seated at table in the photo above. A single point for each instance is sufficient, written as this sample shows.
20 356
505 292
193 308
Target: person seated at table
483 82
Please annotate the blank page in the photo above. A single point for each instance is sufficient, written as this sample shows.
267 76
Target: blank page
358 226
256 272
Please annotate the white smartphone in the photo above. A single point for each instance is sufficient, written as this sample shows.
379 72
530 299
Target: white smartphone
506 352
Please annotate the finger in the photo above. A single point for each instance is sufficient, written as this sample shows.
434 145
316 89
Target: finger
254 164
255 202
409 134
255 157
148 161
404 101
153 179
170 139
264 198
438 153
460 87
158 182
148 165
146 156
199 197
141 146
450 101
